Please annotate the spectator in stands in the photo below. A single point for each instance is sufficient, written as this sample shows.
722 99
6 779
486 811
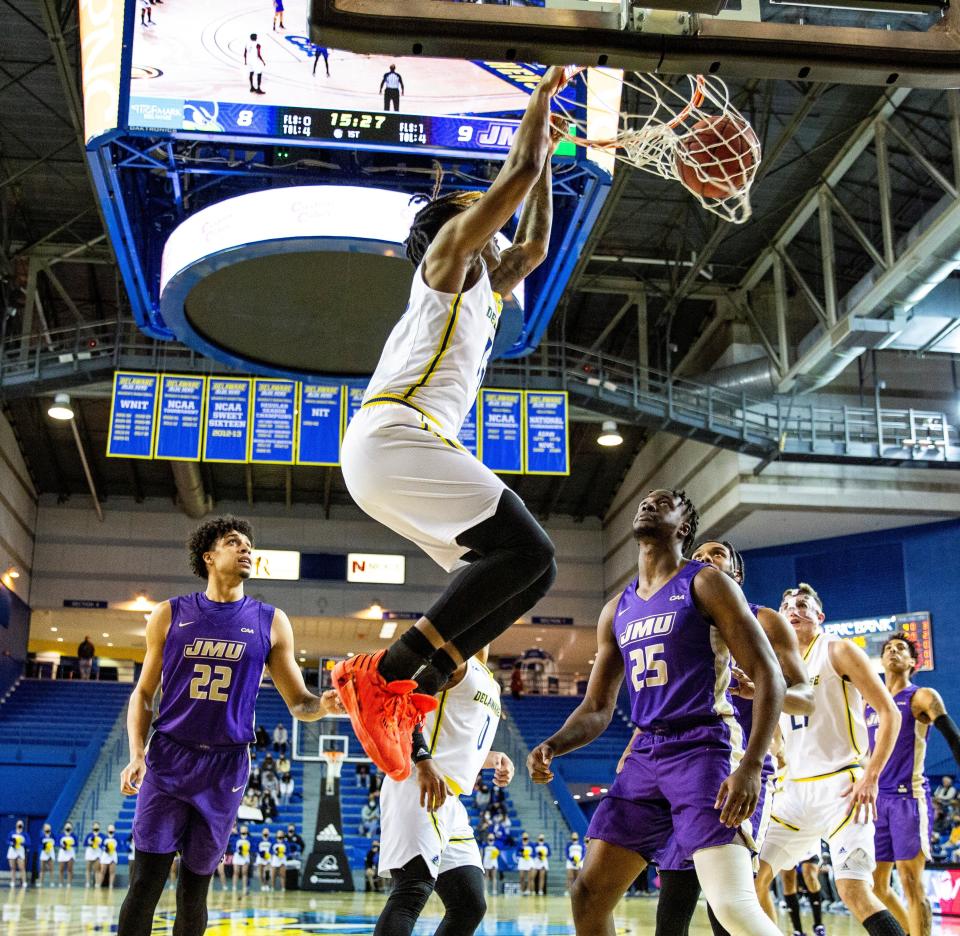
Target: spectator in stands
280 739
48 854
263 739
286 788
283 764
270 782
253 781
953 843
363 776
376 779
483 826
497 796
946 792
66 854
481 796
18 843
268 806
269 763
373 881
109 857
516 681
295 841
370 817
85 654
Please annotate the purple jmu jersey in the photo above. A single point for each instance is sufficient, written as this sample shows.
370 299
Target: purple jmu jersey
903 772
676 664
213 660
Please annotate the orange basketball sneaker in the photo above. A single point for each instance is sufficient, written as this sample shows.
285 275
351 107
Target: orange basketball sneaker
382 713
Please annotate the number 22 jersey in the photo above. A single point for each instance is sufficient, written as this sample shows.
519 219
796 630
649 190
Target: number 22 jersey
213 661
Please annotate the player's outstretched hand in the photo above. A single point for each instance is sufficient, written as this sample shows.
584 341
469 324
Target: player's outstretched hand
738 796
503 769
433 788
538 763
132 776
744 687
332 704
862 797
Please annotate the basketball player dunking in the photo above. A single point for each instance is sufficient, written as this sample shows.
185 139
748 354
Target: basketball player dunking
679 887
688 775
402 463
426 841
208 650
903 804
826 793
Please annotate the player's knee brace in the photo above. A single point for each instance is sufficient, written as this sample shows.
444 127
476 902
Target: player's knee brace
412 886
464 901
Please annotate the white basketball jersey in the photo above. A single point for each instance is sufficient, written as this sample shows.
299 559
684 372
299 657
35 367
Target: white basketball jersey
460 732
436 355
834 737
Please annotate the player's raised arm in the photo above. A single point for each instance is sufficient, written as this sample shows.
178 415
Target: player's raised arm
721 600
460 241
852 664
288 679
140 706
590 718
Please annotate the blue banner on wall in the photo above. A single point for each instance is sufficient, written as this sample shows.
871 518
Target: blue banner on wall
354 399
226 431
319 424
180 428
546 447
274 421
501 430
132 415
468 432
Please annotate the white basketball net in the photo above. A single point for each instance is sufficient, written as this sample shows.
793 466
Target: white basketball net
657 134
334 762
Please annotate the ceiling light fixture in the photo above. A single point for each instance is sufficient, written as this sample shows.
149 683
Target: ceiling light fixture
61 408
609 436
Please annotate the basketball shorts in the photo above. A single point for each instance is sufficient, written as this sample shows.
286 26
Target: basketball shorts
903 826
672 859
806 811
91 854
106 859
425 487
16 854
444 839
668 787
188 801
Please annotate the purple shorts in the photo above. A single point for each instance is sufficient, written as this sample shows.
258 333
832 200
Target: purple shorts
188 801
666 790
902 828
672 859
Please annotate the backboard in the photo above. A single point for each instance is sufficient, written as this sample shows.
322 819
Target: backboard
910 43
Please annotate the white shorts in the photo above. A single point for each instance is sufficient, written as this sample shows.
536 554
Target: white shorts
106 859
526 864
63 856
261 860
420 485
444 839
16 854
241 861
276 862
46 856
804 812
91 854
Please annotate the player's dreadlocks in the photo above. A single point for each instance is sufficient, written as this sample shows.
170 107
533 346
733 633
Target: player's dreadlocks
437 211
205 536
690 515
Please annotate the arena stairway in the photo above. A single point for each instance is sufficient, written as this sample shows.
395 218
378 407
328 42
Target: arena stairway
51 735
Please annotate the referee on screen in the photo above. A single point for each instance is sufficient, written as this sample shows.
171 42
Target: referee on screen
392 88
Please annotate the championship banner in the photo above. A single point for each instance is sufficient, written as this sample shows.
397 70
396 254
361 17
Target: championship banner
320 419
501 430
274 422
180 429
545 441
226 435
133 414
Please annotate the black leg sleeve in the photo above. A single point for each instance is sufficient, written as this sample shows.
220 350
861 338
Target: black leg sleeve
715 924
150 872
192 889
412 886
679 891
462 893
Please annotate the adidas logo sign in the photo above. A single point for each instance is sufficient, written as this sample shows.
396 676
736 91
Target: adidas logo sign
329 834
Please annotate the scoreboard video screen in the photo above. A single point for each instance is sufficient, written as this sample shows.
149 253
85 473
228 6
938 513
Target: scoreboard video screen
223 68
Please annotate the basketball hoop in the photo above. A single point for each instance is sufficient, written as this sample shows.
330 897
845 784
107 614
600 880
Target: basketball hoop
692 135
334 761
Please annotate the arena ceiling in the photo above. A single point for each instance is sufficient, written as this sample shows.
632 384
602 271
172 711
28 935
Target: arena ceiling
651 236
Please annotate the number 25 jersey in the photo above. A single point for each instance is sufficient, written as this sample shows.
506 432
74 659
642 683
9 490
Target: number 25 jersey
677 665
213 661
461 730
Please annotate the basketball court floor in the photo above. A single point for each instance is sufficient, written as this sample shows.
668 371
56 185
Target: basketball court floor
48 912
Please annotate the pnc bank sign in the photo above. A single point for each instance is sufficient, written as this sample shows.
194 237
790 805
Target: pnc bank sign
376 568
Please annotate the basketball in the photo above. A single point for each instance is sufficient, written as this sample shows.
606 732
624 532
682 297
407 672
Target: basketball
721 148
